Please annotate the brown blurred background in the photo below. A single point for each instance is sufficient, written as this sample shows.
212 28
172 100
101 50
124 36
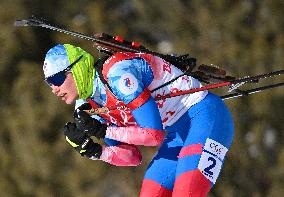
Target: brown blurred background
244 37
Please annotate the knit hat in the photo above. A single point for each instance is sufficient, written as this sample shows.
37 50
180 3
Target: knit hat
60 57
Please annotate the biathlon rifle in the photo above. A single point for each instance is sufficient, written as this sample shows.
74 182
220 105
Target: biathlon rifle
212 75
111 44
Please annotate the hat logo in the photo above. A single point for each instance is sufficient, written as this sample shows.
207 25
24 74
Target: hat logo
44 66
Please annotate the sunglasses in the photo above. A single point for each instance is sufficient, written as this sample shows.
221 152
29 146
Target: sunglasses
58 78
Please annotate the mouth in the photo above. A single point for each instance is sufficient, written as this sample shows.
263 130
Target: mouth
62 95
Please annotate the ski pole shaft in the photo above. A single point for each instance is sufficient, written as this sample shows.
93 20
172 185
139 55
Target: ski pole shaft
193 90
222 84
251 91
257 77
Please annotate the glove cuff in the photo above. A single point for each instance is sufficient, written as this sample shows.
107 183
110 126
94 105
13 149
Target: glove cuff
90 149
101 133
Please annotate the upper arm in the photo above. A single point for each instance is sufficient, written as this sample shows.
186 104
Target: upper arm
129 80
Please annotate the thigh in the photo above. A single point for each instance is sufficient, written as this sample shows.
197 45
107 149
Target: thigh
160 175
201 158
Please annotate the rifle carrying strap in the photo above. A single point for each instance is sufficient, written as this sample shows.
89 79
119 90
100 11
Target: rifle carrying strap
99 67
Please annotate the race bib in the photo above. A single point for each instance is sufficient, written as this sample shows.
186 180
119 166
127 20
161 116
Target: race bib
211 160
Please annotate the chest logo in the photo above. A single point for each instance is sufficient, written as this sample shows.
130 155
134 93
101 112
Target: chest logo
128 84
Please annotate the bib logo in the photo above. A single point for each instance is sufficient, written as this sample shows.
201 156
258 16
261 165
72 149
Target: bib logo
128 84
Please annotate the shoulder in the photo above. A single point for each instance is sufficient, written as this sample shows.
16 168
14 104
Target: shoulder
124 74
119 57
125 59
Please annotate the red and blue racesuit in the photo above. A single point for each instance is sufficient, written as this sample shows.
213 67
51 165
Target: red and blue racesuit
195 131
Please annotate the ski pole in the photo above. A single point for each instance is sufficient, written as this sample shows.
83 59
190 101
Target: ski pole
212 86
241 81
251 91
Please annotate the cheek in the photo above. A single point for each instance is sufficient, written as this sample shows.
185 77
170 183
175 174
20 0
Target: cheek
72 95
73 90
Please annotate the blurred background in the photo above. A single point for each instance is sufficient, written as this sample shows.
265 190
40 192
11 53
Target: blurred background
244 37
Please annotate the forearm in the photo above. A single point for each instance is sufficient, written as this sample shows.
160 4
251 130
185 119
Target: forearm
121 155
136 135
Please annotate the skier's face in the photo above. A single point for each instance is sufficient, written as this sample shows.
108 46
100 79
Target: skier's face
67 91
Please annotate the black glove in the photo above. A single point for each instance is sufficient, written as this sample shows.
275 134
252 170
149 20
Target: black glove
88 124
81 142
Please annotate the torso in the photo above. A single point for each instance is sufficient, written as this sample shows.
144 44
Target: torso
170 109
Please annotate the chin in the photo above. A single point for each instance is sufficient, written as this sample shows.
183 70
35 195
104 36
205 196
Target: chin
70 101
70 98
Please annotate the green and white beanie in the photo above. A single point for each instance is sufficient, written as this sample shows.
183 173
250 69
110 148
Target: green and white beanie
60 57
